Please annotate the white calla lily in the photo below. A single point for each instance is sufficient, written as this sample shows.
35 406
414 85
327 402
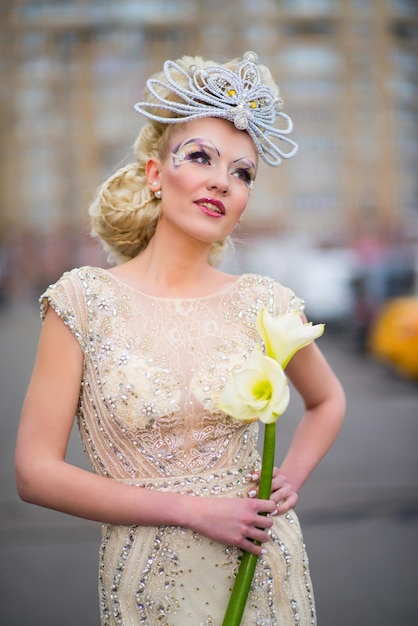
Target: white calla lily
283 336
258 391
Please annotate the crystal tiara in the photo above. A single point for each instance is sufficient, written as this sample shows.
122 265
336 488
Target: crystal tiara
215 91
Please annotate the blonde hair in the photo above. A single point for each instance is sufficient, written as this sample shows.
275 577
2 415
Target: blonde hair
124 214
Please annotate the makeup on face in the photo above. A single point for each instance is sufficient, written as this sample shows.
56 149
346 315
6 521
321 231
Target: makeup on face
202 152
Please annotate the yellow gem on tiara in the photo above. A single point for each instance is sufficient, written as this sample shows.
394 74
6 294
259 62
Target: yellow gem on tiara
231 92
253 105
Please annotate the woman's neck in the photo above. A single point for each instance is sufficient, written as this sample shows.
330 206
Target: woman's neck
173 270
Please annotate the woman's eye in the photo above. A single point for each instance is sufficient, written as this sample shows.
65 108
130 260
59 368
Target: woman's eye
198 157
245 176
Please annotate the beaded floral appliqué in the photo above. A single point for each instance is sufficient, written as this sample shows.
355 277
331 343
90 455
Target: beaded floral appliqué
153 368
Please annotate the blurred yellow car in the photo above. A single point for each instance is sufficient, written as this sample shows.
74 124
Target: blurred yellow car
393 336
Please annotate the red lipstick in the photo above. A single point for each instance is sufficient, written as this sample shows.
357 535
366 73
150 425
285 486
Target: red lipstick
210 206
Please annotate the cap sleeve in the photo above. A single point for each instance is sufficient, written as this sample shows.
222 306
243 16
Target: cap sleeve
286 300
66 298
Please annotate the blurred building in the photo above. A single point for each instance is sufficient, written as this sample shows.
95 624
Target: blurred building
347 69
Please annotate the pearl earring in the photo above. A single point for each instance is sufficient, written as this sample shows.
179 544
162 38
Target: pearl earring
157 193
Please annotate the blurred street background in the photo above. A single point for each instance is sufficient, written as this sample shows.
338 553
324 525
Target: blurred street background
338 223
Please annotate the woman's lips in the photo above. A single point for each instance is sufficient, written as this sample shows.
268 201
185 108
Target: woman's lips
210 206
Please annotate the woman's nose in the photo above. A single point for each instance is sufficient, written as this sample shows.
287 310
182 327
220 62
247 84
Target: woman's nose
219 181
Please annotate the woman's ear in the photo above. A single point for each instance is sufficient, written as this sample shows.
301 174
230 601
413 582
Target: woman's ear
152 172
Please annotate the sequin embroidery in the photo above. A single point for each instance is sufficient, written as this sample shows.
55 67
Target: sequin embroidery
153 369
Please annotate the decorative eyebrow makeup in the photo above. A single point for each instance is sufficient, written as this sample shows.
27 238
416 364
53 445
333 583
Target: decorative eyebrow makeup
202 151
194 149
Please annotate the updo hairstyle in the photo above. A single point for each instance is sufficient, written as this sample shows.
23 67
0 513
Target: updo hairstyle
124 214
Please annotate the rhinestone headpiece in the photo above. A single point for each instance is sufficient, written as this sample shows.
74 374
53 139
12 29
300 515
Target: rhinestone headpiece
237 96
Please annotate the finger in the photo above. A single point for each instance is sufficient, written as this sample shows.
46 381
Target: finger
283 506
277 475
282 493
254 548
278 481
264 506
259 535
264 521
255 477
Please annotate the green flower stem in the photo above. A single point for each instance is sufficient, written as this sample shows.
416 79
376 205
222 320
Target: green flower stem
239 595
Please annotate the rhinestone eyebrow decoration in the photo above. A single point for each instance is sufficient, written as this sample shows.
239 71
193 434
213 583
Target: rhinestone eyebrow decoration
237 96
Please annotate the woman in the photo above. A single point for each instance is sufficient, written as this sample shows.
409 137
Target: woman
141 353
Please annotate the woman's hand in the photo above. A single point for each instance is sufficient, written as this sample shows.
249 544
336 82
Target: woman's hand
282 492
235 522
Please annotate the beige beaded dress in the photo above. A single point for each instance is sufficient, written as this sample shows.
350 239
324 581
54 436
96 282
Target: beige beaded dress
153 370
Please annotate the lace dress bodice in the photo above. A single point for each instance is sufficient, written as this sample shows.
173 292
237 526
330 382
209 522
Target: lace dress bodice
155 368
153 372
